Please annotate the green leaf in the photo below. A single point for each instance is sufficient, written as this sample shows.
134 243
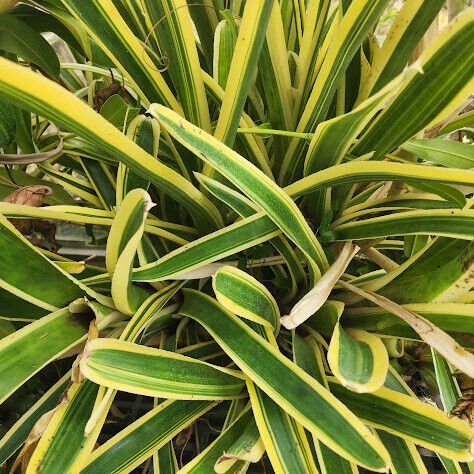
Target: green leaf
102 20
172 25
6 328
431 275
45 285
455 223
54 102
7 123
450 317
225 38
444 152
43 23
145 132
102 180
243 295
307 355
117 111
244 64
206 460
349 35
405 458
245 208
122 243
215 246
18 38
254 183
407 29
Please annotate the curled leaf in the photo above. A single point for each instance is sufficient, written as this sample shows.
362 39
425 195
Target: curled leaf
358 359
29 195
431 334
314 299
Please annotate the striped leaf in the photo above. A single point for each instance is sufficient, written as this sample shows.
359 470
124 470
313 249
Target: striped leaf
409 418
102 20
129 219
88 215
207 459
145 132
404 456
244 63
446 261
150 432
447 153
204 16
407 29
122 243
316 16
65 433
246 297
275 76
272 127
137 369
248 145
429 333
225 38
284 438
358 359
333 138
245 208
360 171
454 223
18 433
172 25
359 18
215 246
307 355
258 187
450 394
147 314
280 433
427 97
248 448
45 285
72 184
302 397
450 317
54 102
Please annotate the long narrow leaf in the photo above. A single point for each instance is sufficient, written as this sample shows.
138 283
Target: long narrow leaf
147 371
303 398
37 93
